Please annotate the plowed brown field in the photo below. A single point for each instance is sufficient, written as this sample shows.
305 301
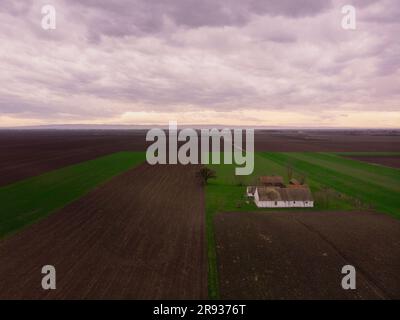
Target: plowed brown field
388 161
26 153
327 140
300 255
139 236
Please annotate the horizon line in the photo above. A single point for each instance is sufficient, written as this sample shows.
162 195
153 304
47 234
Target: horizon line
194 126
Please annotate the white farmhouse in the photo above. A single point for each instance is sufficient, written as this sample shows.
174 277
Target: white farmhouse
273 197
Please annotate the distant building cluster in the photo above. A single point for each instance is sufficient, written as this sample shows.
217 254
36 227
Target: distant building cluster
273 193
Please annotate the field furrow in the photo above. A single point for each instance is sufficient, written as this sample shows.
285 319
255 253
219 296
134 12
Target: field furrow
139 236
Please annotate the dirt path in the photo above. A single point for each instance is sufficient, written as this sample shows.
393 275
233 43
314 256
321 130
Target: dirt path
299 255
140 236
388 161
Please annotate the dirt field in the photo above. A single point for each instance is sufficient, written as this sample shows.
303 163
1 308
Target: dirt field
140 236
26 153
300 255
389 161
327 140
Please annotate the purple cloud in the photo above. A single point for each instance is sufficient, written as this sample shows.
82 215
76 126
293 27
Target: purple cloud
109 59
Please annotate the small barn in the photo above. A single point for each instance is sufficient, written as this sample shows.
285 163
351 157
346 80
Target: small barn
272 181
275 197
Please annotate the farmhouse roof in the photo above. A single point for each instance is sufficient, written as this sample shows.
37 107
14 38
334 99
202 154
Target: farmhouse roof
268 194
271 180
284 194
298 186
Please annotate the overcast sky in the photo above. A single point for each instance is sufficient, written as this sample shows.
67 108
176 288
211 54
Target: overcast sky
230 62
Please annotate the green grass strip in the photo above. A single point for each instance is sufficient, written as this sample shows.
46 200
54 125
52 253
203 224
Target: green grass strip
348 179
386 177
30 200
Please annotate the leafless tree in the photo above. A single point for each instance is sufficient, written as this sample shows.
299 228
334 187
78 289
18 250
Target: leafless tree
205 174
289 169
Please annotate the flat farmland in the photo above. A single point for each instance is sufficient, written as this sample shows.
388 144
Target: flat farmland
338 184
32 199
299 255
139 236
383 160
142 234
28 153
327 140
375 186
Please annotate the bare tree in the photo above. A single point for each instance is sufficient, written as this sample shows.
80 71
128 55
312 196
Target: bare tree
205 174
289 169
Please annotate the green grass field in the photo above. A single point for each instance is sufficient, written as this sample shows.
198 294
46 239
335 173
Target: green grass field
27 201
376 186
337 183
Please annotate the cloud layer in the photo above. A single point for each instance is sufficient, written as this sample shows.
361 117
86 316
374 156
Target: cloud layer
256 62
